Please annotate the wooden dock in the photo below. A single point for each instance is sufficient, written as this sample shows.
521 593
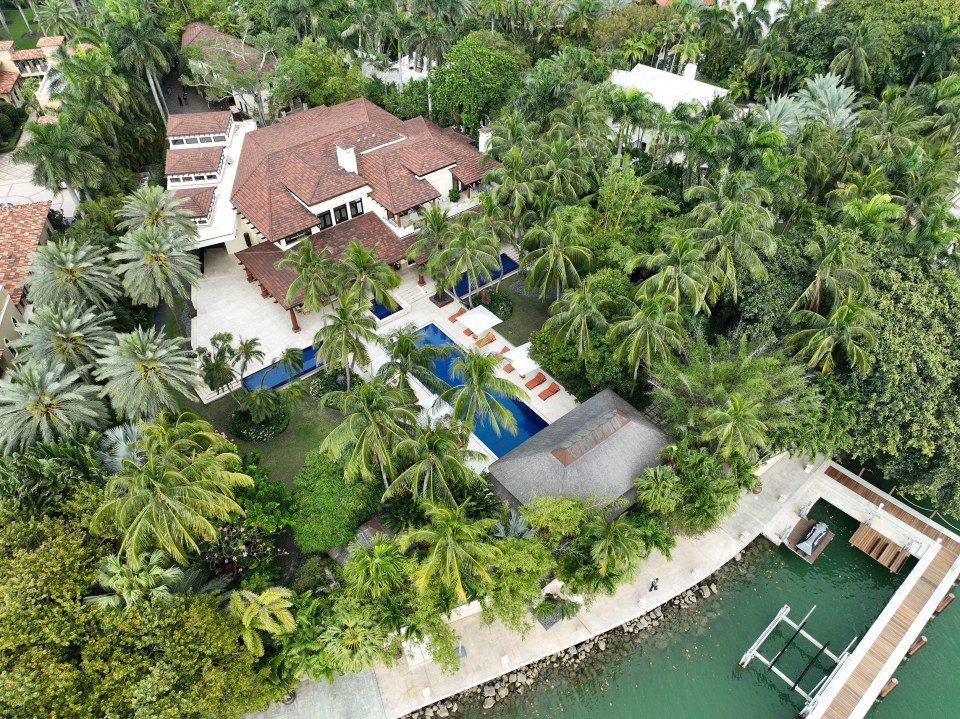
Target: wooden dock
797 535
901 625
878 547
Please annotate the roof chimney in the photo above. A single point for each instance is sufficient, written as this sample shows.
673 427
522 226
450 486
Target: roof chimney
347 159
690 71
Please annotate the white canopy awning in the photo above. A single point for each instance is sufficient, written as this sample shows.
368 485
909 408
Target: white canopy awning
479 319
521 360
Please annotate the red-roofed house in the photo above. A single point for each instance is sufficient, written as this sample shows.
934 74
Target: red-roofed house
23 228
33 62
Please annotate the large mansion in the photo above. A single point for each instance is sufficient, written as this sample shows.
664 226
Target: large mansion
18 65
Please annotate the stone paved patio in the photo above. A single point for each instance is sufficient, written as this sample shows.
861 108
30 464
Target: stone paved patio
17 186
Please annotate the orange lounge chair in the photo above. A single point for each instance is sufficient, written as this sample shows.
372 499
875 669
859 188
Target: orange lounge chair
486 340
508 368
504 350
453 317
550 391
538 380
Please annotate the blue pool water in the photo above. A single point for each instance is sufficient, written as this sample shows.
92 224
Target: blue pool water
275 375
507 265
381 312
528 421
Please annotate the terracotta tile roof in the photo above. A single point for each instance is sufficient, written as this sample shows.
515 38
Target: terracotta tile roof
6 45
198 200
21 227
209 39
52 41
368 229
33 53
8 80
189 161
298 155
198 123
46 119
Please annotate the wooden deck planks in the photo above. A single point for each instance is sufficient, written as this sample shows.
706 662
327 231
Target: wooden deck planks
897 627
878 547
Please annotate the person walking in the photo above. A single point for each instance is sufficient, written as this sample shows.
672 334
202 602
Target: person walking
655 584
180 100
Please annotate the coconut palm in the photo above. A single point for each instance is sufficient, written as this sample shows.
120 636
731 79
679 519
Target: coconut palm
510 130
847 331
360 270
515 183
434 228
557 252
652 331
41 402
90 91
145 372
71 272
315 281
119 444
838 265
934 48
268 611
156 264
408 355
226 361
654 535
62 153
436 460
341 341
430 38
858 49
126 586
142 47
152 206
470 252
877 218
378 417
65 333
458 549
565 170
578 314
735 428
615 546
659 490
172 500
475 397
682 272
376 569
58 17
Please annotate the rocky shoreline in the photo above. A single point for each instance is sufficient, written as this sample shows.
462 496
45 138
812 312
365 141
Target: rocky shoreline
622 639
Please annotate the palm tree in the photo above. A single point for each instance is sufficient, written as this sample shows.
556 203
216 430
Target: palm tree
558 250
682 272
578 314
408 355
515 183
858 50
845 332
41 402
654 535
90 91
434 228
71 272
376 569
268 611
66 334
156 264
142 47
144 372
430 38
476 397
187 479
659 490
934 48
118 444
315 276
838 266
378 417
471 252
652 331
564 169
127 586
58 17
62 153
735 427
615 546
436 460
152 206
361 270
877 218
353 641
458 548
341 342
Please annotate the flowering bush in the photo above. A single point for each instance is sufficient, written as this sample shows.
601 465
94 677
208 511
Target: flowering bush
239 548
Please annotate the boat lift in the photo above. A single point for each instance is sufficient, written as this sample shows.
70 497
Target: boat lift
822 649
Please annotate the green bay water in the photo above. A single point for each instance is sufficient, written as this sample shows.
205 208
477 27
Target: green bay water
690 670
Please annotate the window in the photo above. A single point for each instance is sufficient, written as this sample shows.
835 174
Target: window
206 138
211 177
193 141
219 138
174 179
356 208
177 141
324 220
340 213
13 352
247 240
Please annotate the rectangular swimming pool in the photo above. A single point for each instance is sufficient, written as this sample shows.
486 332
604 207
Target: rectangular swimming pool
507 265
276 375
381 312
528 421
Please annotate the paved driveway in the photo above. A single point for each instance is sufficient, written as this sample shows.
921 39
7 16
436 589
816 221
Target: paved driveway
352 696
17 186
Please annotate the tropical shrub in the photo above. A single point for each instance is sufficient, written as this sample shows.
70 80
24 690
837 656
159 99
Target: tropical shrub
241 424
500 303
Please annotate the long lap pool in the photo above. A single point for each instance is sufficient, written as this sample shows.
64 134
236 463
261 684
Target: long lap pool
528 421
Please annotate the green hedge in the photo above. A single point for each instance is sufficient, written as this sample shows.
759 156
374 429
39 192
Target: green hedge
326 508
240 425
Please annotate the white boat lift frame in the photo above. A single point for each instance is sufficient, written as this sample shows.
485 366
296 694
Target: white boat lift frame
783 617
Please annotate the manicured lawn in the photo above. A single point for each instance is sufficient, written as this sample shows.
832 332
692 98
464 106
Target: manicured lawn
284 455
18 29
529 313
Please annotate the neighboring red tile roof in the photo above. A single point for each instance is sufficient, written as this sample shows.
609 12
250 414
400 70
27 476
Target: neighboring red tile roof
297 156
21 227
198 200
8 80
189 161
198 123
46 119
368 229
6 45
53 41
210 40
33 53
